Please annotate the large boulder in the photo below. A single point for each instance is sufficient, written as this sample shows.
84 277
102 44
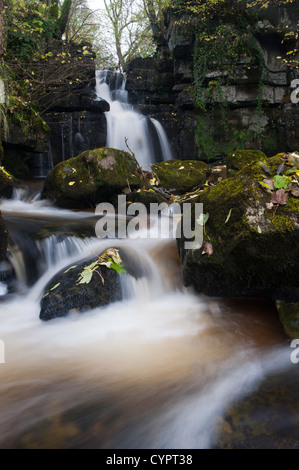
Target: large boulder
251 235
82 286
92 177
181 176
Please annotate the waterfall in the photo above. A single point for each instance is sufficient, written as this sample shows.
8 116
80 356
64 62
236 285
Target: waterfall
128 128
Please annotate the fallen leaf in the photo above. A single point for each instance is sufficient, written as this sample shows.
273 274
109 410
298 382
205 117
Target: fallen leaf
265 168
228 216
280 169
208 248
295 192
279 197
269 182
71 183
269 205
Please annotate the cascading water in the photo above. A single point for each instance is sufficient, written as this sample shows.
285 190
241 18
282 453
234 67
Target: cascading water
159 369
127 128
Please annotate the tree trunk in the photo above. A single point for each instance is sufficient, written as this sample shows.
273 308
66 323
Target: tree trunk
119 53
63 18
157 27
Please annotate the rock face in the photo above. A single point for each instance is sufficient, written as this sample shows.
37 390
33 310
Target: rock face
253 233
181 176
64 293
240 101
289 317
91 178
6 184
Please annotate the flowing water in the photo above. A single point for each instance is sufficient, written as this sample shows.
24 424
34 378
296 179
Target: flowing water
128 129
158 370
164 368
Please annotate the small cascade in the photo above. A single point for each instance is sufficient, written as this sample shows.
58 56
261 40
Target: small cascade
62 144
128 128
40 164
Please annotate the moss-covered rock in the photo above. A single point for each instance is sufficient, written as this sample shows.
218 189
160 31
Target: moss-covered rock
93 177
6 184
289 317
146 197
255 244
181 176
238 159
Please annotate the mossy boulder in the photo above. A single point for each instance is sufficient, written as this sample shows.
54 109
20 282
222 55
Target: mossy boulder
6 184
92 177
181 176
238 159
289 317
254 245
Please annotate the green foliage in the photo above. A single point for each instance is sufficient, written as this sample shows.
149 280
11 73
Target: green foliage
109 258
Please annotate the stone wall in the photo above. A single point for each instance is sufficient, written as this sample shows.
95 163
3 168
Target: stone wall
258 111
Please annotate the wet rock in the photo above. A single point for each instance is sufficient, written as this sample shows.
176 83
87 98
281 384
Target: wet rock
6 184
238 159
91 178
3 241
255 242
64 293
289 317
181 176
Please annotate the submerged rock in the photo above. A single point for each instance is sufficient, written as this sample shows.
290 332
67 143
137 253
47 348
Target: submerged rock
253 233
92 177
77 289
181 176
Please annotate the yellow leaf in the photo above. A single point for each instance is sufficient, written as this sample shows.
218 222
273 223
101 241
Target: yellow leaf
71 183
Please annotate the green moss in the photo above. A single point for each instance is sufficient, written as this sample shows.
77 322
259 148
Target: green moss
94 176
289 317
238 158
6 184
213 142
181 175
254 248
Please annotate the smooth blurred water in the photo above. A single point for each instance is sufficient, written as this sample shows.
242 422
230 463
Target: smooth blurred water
157 370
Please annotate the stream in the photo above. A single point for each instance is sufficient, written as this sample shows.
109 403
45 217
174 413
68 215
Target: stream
165 368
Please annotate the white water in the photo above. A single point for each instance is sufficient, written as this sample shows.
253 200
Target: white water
156 370
128 128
